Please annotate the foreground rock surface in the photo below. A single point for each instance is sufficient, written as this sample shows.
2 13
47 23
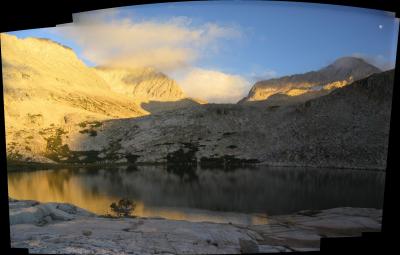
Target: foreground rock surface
67 229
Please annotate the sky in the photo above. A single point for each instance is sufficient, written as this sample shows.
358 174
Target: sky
216 50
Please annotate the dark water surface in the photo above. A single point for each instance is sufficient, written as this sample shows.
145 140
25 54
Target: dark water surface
244 195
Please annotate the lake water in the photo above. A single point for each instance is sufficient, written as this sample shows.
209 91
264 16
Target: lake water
243 195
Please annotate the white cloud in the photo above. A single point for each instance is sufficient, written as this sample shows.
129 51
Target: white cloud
107 39
214 86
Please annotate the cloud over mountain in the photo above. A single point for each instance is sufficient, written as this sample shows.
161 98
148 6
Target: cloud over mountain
214 86
109 39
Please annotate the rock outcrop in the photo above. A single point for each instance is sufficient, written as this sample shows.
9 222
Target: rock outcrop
64 228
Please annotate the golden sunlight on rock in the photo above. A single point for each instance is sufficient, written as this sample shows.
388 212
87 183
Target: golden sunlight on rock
335 85
296 92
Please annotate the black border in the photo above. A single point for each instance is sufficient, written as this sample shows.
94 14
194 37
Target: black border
21 15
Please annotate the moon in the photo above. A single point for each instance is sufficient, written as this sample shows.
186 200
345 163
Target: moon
380 26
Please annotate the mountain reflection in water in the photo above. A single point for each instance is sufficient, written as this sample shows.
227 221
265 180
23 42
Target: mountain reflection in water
243 195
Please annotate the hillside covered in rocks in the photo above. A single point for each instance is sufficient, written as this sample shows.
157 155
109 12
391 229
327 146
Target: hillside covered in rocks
347 128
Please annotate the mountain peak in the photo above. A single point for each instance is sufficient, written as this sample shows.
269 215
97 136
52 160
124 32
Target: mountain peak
141 83
43 49
341 72
344 67
350 63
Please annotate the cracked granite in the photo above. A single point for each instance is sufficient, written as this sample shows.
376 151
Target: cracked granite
65 228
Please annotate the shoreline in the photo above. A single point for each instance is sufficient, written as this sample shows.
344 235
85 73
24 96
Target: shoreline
38 165
65 228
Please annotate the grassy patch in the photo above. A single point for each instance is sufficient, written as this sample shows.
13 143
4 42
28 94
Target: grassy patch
91 132
90 127
132 158
185 155
183 162
92 124
55 150
14 156
273 107
222 111
226 162
228 134
309 213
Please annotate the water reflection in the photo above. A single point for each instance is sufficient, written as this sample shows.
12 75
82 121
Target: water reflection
241 195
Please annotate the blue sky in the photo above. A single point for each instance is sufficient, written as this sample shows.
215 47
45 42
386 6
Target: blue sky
249 40
287 37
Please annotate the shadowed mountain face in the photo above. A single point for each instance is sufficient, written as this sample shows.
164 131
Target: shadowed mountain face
338 74
161 106
347 128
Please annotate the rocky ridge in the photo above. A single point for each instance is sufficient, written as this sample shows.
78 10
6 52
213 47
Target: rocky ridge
312 84
141 83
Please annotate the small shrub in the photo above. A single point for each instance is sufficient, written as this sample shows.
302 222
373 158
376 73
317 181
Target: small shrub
96 124
124 208
86 232
82 124
228 134
273 107
108 216
92 132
